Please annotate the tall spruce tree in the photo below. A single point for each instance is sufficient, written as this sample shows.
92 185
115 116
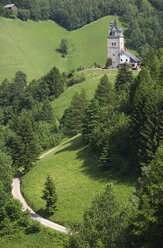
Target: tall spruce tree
105 93
152 64
50 195
55 82
71 122
146 120
101 222
124 76
146 227
23 145
91 120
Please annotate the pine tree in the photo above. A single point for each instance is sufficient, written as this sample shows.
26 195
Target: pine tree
71 122
50 195
101 223
91 120
55 82
124 77
152 64
64 47
147 227
105 93
146 120
24 145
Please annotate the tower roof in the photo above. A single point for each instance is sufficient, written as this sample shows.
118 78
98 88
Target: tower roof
115 24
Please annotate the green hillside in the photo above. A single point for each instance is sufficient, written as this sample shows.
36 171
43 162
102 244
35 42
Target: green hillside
90 84
78 179
92 77
31 46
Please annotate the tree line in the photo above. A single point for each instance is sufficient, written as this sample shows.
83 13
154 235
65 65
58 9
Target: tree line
27 127
143 17
123 124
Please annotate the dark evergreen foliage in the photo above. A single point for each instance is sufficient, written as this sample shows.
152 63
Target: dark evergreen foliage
63 48
124 76
101 223
54 81
146 120
24 144
71 121
50 196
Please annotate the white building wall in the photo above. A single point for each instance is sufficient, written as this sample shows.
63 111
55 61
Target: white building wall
124 58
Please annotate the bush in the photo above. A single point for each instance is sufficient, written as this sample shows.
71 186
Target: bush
108 62
9 13
23 14
1 10
13 210
34 227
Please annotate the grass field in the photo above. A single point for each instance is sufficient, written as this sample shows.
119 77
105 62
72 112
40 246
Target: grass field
93 77
46 238
31 46
78 179
90 84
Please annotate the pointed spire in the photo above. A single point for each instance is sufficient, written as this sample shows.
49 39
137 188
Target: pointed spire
115 23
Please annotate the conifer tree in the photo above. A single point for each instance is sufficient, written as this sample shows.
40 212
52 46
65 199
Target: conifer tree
101 223
105 93
71 122
124 76
146 120
152 64
55 82
91 120
47 112
147 226
50 195
24 145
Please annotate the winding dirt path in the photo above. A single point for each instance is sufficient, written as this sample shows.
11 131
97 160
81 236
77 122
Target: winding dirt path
17 195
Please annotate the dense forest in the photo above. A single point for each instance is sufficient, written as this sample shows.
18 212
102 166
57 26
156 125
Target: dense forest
144 18
27 127
123 124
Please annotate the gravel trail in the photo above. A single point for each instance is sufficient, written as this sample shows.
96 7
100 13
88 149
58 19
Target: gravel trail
17 195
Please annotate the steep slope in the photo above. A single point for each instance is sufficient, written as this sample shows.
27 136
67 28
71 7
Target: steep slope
73 167
31 46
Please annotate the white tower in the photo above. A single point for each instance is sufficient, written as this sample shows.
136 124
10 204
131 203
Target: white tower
115 43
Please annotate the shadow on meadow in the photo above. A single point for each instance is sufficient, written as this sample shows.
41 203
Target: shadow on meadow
90 163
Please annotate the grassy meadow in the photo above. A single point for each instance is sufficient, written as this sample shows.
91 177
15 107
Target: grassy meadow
31 46
74 169
92 77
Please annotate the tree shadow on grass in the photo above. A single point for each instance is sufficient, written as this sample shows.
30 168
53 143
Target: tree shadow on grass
90 164
43 213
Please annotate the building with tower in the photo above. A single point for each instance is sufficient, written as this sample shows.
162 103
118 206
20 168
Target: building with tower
115 47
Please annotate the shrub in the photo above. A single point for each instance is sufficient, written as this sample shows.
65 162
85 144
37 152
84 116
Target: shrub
23 14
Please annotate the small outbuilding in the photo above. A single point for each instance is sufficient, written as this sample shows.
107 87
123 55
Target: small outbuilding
10 6
127 57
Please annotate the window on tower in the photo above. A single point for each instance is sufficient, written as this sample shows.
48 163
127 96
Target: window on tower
113 54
